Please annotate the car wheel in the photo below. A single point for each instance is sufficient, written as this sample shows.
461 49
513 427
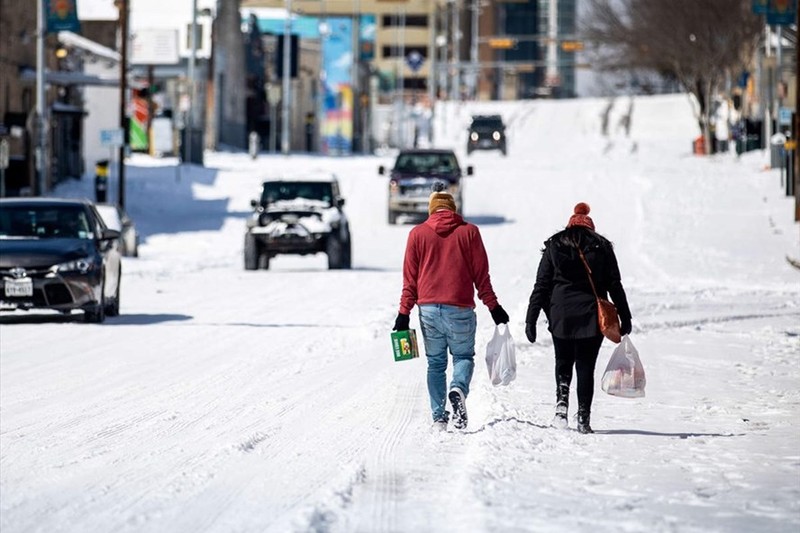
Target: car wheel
263 261
348 254
97 314
112 307
250 252
335 251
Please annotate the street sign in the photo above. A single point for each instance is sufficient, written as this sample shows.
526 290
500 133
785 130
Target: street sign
111 138
273 93
415 60
4 154
784 116
502 43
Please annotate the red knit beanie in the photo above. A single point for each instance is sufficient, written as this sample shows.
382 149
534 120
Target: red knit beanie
581 217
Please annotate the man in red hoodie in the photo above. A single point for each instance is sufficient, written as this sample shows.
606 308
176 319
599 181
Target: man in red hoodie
445 262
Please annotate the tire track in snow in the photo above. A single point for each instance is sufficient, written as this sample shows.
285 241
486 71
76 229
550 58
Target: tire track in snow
678 324
388 486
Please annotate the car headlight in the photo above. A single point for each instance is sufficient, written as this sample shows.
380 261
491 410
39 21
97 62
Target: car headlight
82 265
473 136
496 136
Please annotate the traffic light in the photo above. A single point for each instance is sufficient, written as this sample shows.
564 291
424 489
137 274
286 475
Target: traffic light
572 46
292 57
502 43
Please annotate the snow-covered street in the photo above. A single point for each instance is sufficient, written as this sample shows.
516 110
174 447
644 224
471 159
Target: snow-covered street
226 400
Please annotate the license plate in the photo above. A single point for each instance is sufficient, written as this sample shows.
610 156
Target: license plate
19 287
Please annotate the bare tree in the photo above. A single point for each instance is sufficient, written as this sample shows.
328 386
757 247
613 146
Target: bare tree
697 42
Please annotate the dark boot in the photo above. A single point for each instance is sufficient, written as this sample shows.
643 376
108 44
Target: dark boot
562 406
583 421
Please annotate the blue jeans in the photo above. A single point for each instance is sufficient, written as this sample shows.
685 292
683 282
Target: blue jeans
443 327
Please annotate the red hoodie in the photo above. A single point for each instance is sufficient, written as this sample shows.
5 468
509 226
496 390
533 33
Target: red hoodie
445 261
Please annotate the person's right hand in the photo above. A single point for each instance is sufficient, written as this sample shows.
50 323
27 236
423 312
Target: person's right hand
401 323
530 332
625 326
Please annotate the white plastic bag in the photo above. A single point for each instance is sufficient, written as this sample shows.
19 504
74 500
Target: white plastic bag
501 360
624 375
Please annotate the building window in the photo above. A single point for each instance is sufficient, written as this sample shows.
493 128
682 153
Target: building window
411 21
394 51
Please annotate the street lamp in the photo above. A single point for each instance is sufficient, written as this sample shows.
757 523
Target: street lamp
41 118
189 137
124 10
287 38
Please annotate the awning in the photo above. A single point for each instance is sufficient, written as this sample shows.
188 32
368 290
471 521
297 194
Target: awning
65 77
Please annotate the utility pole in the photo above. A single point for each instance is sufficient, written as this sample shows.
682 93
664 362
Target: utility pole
457 49
189 137
473 52
796 132
287 43
41 117
551 72
778 76
123 92
355 80
767 99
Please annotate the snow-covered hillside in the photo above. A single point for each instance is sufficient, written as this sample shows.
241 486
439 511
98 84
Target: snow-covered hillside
229 400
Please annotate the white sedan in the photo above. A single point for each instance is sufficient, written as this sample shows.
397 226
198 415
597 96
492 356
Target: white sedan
117 219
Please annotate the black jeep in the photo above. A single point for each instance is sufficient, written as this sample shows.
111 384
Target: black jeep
487 132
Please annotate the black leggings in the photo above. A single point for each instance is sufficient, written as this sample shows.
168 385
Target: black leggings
582 354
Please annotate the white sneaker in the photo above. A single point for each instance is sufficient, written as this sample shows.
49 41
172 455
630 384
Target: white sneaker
459 408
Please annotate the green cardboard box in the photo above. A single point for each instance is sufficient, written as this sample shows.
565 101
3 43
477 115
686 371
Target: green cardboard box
404 345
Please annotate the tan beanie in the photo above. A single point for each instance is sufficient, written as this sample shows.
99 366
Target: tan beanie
441 200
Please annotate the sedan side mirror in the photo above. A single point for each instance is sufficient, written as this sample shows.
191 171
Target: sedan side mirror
340 202
110 235
381 170
470 170
253 203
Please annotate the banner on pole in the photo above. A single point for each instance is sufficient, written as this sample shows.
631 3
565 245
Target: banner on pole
336 128
781 12
62 15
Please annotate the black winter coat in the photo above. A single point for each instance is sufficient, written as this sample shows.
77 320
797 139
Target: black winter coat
562 288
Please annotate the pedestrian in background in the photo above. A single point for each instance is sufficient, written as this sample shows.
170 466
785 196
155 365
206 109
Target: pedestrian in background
563 291
444 263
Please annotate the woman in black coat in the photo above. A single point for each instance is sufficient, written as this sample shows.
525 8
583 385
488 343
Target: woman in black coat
562 290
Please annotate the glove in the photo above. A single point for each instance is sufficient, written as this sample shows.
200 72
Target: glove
401 322
499 315
625 326
530 332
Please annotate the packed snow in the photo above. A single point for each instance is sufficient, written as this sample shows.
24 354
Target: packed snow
228 400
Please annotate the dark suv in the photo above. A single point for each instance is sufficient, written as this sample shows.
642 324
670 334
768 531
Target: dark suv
412 178
298 216
487 132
